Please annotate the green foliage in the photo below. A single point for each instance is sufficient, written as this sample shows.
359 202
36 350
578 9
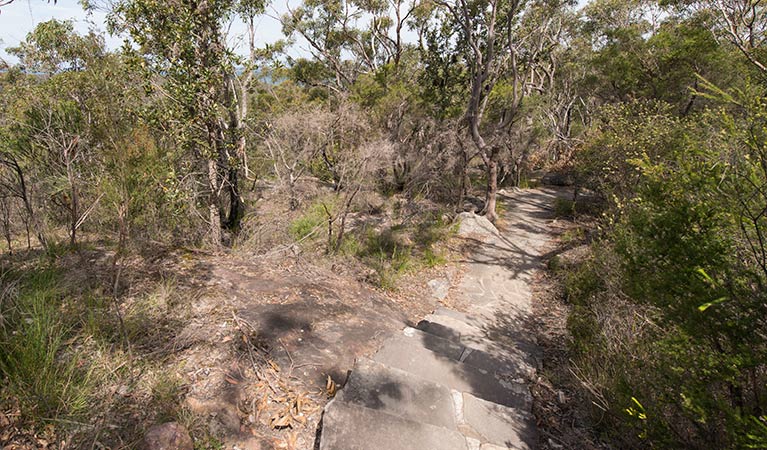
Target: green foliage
684 253
35 364
54 46
564 208
166 396
398 250
313 221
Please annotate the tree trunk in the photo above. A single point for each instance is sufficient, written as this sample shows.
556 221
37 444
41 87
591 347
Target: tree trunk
344 214
463 185
26 228
236 205
75 216
214 213
74 204
492 190
6 211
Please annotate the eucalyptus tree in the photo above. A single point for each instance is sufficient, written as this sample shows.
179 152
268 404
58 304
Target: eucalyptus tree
502 52
181 47
348 38
50 127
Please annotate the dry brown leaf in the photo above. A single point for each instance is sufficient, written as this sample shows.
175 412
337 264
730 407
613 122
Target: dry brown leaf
282 421
331 387
300 418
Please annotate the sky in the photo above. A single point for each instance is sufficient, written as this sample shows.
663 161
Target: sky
21 17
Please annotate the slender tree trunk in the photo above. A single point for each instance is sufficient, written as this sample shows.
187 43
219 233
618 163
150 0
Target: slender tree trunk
492 190
214 213
344 214
293 200
74 203
236 205
26 228
4 203
75 216
463 186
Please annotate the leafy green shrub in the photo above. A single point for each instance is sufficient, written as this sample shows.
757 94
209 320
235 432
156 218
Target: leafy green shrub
582 282
34 364
669 319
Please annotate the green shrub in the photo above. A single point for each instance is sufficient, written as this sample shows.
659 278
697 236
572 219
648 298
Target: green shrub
582 282
311 221
432 258
564 208
669 318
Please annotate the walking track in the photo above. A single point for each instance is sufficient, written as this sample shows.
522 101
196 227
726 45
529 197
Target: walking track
458 380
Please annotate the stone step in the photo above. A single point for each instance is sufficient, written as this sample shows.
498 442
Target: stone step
399 393
350 427
402 394
442 311
455 330
493 360
517 355
439 360
494 425
499 327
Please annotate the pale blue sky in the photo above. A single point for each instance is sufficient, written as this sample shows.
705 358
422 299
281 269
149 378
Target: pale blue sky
21 17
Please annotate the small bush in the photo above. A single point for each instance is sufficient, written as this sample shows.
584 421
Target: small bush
166 395
582 282
311 222
432 258
564 208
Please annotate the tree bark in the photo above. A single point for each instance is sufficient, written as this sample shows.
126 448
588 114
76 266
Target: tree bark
236 205
491 191
214 213
464 184
6 219
74 205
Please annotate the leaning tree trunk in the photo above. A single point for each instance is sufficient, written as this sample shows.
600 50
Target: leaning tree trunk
74 208
5 207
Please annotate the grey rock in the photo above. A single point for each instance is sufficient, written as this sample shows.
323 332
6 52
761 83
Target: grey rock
351 427
471 224
439 288
514 353
441 311
438 360
499 425
509 363
168 436
376 386
473 204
